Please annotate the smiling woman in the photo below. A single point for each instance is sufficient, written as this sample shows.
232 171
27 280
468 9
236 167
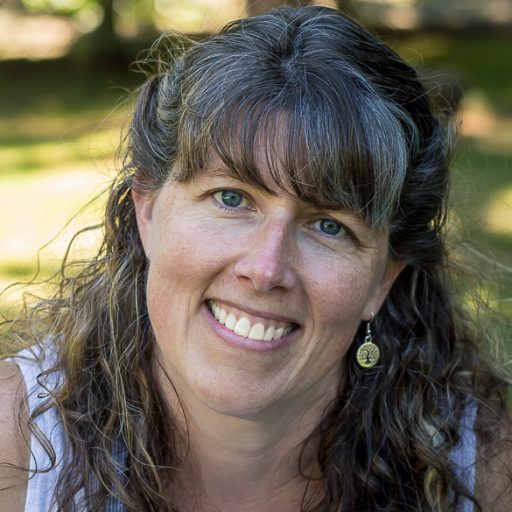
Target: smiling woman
271 322
264 262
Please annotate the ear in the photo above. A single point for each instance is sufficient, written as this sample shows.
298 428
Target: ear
393 269
144 216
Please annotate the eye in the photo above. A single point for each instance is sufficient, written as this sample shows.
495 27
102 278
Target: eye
230 198
330 227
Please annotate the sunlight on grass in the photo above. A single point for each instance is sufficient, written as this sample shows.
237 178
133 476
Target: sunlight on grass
51 198
499 214
54 161
44 156
39 206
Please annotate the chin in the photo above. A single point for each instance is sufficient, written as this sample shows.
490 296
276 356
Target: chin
239 403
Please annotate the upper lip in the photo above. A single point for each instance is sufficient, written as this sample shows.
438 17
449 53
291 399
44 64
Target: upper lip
256 312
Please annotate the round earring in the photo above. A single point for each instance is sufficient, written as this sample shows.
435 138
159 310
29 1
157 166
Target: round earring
368 354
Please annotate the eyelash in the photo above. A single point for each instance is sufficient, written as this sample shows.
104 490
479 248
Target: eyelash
344 231
225 207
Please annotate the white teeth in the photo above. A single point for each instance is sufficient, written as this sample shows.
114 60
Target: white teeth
257 332
242 327
279 333
269 333
230 321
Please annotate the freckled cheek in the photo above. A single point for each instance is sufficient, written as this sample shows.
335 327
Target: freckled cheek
192 250
185 259
337 307
339 297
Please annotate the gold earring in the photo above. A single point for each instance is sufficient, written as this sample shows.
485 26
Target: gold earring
368 354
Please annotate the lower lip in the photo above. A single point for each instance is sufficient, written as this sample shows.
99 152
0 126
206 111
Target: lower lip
247 343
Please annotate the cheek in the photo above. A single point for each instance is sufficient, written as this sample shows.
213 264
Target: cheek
186 250
337 301
339 294
186 257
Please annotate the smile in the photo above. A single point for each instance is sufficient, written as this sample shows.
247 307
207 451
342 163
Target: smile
249 326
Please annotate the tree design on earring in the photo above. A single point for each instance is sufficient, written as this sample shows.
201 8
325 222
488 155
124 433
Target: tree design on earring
368 354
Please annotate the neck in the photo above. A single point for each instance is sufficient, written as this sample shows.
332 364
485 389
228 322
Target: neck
243 466
257 462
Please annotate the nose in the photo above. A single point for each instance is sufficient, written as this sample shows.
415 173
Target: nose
266 261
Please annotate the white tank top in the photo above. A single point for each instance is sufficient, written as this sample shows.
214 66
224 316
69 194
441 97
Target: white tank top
42 485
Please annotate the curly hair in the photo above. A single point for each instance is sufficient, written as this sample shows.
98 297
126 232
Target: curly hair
359 131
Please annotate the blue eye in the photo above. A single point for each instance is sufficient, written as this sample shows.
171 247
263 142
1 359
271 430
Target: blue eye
229 198
330 227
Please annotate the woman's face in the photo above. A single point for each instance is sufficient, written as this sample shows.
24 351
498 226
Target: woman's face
231 264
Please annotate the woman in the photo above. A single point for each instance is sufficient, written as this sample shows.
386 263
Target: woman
270 323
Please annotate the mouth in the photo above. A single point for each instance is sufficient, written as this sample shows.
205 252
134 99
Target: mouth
249 326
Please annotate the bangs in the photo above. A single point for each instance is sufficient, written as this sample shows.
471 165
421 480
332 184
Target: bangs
333 144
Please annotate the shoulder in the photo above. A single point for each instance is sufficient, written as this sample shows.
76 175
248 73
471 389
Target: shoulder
493 488
14 433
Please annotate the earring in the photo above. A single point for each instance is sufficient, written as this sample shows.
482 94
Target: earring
368 354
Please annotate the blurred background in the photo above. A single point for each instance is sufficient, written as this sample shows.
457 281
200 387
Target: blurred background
66 72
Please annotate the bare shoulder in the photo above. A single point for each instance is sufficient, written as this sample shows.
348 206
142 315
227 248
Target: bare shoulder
14 448
494 471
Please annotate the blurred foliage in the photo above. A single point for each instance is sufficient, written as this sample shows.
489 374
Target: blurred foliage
477 62
58 6
131 18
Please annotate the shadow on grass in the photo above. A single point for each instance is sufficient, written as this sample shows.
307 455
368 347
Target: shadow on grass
478 175
35 157
62 87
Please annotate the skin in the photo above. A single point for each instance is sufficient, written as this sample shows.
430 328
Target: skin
248 411
14 451
493 486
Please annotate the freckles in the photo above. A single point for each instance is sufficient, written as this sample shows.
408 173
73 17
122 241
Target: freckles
160 298
342 291
180 254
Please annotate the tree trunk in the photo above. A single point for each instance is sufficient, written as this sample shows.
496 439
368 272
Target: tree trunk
256 7
107 25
